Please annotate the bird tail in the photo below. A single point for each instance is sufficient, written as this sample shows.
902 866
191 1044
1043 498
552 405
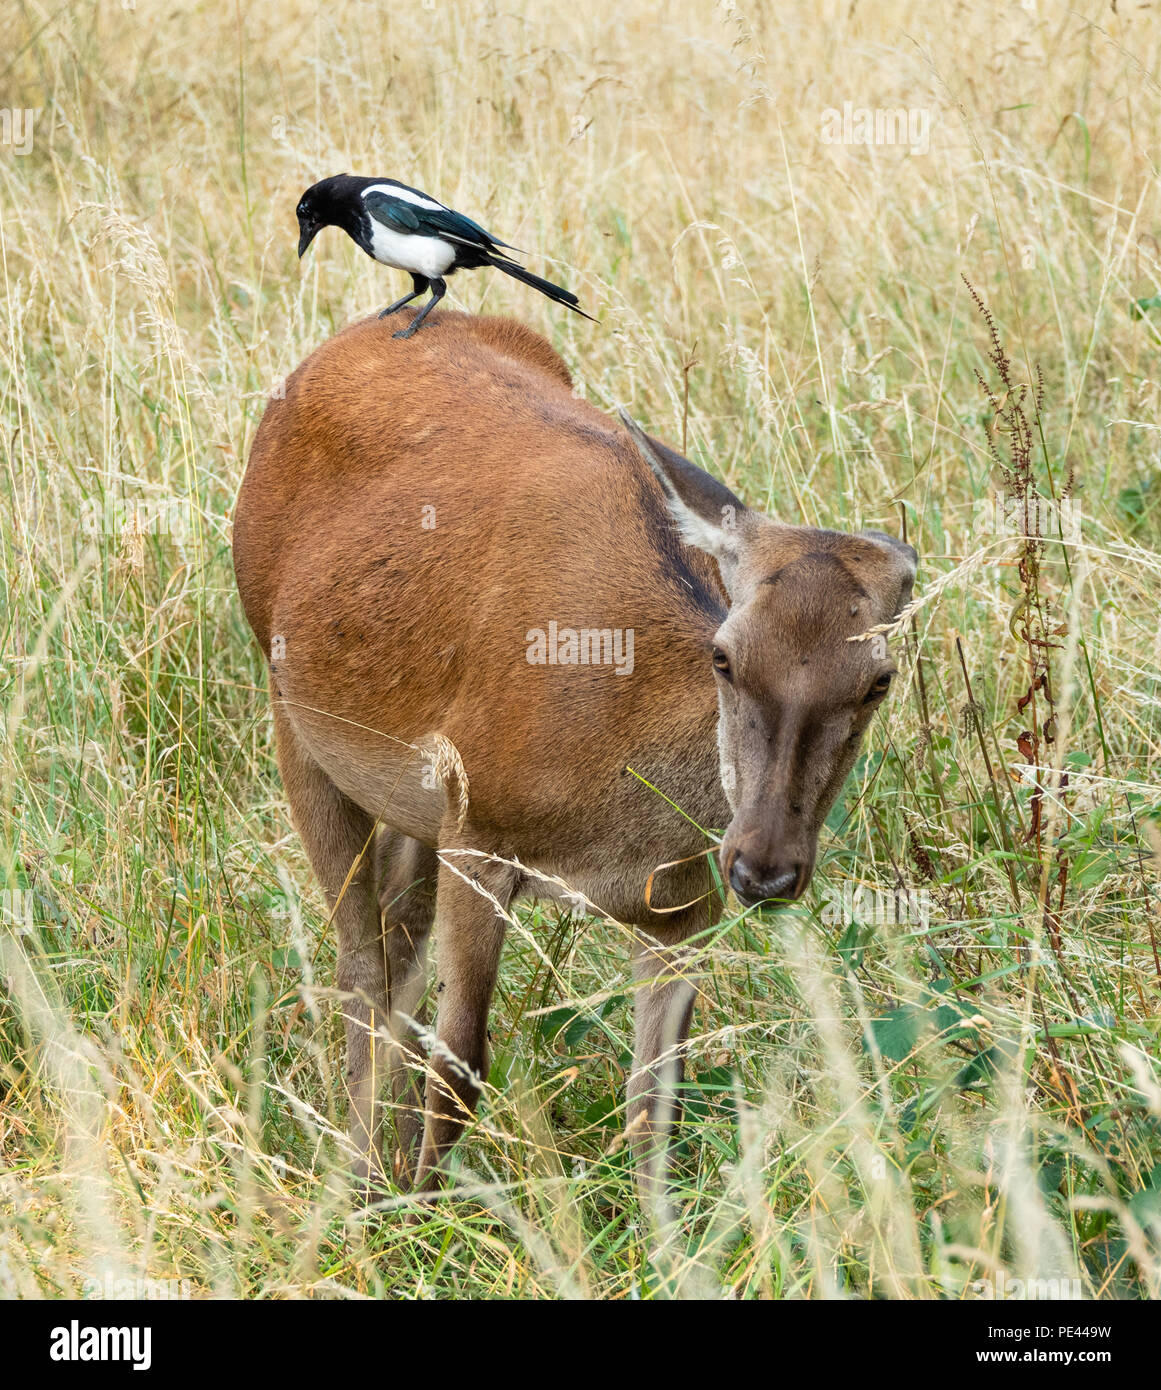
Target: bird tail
526 277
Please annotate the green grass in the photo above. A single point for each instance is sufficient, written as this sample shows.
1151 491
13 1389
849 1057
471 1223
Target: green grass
884 1110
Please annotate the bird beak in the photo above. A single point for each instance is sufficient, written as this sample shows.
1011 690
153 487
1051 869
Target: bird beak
309 232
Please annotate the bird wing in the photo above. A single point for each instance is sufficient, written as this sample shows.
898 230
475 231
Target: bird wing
438 221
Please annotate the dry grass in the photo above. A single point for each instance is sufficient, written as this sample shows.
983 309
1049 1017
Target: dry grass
887 1111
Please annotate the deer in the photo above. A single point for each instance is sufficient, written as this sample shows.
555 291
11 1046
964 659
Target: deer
517 648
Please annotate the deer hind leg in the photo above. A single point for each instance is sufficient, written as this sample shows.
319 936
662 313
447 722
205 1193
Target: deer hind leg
469 936
407 882
663 1011
337 835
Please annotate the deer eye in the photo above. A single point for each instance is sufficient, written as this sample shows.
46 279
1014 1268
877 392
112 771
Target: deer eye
722 664
880 688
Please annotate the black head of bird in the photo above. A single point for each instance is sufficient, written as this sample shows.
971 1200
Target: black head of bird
326 204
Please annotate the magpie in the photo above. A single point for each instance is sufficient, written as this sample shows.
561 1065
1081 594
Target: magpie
404 228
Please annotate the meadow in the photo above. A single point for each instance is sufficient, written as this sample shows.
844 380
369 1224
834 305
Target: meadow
890 264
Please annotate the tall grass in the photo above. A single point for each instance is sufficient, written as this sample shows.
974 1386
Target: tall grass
897 1108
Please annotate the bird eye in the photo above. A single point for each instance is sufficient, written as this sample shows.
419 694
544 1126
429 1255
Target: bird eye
722 663
880 687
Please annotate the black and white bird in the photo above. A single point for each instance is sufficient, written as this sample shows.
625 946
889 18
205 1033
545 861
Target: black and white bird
404 228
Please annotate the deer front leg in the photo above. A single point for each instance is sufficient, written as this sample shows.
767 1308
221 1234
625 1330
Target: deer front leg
469 936
663 1010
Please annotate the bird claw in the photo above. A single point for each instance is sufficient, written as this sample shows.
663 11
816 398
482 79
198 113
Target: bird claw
404 333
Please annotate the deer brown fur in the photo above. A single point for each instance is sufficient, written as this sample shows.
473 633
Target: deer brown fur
413 514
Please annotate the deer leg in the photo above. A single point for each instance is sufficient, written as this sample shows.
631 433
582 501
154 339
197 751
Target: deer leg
407 882
663 1011
469 935
336 834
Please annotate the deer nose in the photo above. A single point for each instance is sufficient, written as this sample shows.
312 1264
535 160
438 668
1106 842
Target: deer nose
753 886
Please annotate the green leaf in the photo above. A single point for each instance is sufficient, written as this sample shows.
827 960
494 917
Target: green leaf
602 1111
982 1067
716 1081
566 1023
1091 867
1133 502
852 945
1146 1204
897 1033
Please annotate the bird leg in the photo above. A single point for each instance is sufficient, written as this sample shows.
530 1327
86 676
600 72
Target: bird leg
438 290
419 285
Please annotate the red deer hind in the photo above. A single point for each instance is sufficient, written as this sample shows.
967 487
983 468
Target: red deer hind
482 601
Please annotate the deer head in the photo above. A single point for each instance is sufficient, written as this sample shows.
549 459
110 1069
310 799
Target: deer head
795 695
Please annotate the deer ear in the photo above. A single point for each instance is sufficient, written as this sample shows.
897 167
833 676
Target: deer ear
907 558
708 515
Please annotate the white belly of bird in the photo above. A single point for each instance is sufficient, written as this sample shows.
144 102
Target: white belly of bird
422 255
